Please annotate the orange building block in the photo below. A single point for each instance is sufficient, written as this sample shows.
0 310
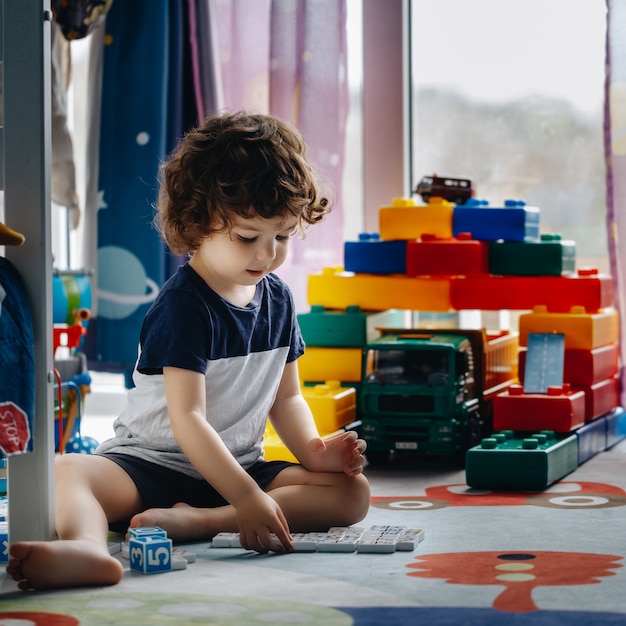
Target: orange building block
560 409
582 330
336 289
557 293
406 220
320 364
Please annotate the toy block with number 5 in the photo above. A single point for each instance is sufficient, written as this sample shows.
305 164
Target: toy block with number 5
150 554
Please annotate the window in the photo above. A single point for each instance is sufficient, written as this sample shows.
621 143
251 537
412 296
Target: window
510 94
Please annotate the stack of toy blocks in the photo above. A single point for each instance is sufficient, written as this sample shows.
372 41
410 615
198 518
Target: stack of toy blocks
330 372
574 396
150 551
443 257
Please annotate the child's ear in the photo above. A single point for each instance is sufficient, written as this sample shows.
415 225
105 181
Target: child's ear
10 237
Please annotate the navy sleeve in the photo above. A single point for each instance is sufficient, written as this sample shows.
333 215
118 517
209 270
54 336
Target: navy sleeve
176 332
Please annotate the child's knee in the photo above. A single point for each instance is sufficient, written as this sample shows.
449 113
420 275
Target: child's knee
356 499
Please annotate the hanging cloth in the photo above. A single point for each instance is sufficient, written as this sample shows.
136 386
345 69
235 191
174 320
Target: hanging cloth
17 364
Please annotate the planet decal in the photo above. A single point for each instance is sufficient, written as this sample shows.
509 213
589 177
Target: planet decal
123 285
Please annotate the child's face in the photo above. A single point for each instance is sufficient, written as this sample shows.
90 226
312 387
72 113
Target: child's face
245 254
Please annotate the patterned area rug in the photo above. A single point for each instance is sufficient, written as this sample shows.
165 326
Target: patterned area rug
553 557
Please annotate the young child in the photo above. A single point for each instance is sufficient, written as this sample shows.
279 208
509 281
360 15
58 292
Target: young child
218 356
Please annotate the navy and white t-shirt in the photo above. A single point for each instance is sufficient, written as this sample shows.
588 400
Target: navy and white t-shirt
242 352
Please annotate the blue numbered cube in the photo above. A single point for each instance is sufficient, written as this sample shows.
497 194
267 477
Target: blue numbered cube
4 541
150 554
146 531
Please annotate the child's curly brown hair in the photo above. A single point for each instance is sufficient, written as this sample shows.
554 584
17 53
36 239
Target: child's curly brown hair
250 165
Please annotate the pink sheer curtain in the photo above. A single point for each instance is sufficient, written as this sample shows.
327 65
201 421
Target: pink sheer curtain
615 152
288 58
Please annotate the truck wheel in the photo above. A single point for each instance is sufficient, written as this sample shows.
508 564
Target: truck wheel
377 457
474 433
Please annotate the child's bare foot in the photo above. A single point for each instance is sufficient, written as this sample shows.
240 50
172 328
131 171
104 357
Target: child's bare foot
185 523
54 564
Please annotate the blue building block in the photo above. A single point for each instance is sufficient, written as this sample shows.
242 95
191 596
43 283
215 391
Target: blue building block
371 255
615 426
513 222
4 541
146 531
591 439
150 554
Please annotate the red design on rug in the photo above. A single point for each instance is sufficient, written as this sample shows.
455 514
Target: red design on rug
37 619
564 495
519 572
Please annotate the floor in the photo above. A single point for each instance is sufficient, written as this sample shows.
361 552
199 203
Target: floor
102 405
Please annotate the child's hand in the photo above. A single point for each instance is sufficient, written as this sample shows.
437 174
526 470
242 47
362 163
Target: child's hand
262 525
342 453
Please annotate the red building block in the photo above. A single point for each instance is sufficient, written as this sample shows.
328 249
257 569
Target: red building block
583 368
601 398
560 409
430 255
558 294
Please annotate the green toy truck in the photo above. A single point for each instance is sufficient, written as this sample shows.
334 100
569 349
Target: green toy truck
431 391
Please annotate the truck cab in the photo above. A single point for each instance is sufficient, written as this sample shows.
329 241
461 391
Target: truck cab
425 391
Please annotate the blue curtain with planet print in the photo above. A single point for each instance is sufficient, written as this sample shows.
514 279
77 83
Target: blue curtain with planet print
147 103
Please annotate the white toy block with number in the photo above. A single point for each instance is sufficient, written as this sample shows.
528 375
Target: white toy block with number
150 554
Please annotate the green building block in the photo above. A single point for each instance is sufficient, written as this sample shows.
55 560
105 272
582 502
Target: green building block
550 256
534 462
325 328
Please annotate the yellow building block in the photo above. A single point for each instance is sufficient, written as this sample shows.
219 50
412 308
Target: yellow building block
317 364
584 331
336 289
275 450
332 405
406 220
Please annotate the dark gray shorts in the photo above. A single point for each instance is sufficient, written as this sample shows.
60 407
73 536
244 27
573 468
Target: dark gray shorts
161 487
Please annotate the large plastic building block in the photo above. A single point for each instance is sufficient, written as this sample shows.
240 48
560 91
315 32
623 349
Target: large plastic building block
550 256
371 255
432 256
513 222
582 330
332 405
406 220
584 367
334 329
319 364
336 289
558 294
591 439
503 462
615 426
601 398
560 409
275 450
